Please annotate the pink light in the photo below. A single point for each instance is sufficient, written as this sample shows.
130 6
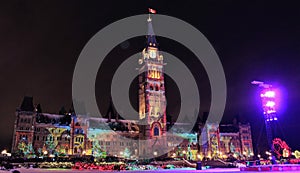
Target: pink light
270 104
270 111
269 94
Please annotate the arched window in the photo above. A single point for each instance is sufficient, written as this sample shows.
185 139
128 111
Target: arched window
156 88
156 131
151 87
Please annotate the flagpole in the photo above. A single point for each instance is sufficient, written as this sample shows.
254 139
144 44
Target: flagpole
151 11
149 18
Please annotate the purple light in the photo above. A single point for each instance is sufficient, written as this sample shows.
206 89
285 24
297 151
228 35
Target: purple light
269 94
270 104
270 111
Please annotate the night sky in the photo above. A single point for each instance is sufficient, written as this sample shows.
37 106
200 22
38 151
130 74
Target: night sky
40 42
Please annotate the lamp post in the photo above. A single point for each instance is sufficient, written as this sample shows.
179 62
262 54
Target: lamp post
268 101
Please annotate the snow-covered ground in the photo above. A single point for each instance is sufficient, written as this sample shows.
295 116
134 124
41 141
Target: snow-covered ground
38 170
183 170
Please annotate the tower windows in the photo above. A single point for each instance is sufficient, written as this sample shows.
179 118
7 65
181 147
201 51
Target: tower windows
156 88
151 87
154 74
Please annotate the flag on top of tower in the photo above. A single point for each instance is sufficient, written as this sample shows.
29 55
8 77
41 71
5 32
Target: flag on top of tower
152 11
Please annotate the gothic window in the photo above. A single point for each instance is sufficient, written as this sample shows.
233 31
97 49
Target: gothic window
156 131
151 87
156 88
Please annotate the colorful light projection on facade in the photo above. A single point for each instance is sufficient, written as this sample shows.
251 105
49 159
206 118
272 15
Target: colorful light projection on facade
268 96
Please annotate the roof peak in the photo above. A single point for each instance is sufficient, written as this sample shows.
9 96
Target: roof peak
27 104
151 39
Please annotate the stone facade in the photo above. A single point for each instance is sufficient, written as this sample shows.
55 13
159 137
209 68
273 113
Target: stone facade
40 134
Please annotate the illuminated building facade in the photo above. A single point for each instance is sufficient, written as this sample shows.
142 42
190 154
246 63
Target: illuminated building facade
152 100
221 141
45 133
42 134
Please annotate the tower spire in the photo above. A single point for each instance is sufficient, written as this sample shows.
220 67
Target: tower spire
151 40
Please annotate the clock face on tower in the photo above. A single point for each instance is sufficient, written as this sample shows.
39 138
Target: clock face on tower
152 53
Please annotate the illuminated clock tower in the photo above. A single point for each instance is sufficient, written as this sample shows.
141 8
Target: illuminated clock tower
152 100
